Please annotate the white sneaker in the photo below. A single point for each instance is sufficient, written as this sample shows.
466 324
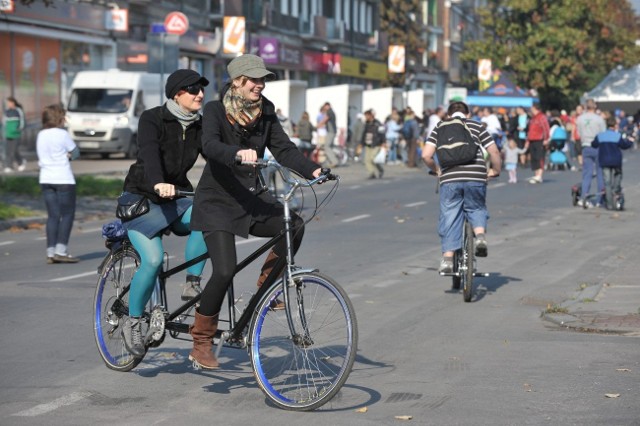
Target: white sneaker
22 166
8 170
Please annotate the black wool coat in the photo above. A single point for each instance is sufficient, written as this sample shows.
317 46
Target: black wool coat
166 153
230 197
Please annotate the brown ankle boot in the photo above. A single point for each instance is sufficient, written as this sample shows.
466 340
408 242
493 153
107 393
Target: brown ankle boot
269 263
203 330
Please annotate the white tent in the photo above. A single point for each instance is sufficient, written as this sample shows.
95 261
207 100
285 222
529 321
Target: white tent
618 90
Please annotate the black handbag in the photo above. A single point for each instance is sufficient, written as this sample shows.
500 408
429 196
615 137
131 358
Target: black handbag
131 206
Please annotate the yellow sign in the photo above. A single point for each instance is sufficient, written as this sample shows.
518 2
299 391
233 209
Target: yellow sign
355 67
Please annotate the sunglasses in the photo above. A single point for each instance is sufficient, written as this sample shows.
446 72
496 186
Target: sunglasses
193 89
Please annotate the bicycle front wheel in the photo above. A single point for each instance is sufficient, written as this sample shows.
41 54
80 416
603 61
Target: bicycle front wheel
111 308
468 258
303 370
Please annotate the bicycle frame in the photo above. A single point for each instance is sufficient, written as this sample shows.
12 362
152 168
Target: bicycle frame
237 326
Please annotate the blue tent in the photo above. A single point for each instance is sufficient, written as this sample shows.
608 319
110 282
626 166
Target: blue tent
502 93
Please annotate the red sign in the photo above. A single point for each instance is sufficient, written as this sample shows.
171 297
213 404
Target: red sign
176 23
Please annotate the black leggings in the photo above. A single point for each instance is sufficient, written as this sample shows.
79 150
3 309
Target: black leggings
221 246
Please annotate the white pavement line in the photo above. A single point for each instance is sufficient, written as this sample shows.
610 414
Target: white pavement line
41 409
250 240
419 203
353 219
498 185
354 187
6 243
40 238
85 274
543 223
86 231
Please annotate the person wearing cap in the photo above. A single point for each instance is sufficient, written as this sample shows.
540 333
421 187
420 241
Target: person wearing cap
169 143
230 199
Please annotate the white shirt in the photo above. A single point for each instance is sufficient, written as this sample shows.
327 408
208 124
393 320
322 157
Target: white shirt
493 124
52 147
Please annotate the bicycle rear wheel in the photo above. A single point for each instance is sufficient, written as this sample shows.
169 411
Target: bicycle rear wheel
111 308
468 255
457 257
303 372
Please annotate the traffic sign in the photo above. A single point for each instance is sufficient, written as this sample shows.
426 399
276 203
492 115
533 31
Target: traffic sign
176 23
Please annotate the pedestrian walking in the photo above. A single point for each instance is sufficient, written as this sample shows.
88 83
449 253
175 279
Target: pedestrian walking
511 154
55 149
589 124
392 135
13 123
372 141
305 131
537 141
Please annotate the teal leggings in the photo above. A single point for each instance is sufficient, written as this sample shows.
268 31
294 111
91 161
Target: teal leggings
151 254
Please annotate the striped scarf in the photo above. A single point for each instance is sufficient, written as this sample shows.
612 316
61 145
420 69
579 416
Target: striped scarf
240 110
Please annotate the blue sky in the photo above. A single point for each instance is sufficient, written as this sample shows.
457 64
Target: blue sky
636 5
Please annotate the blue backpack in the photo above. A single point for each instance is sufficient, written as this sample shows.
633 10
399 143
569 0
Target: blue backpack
559 134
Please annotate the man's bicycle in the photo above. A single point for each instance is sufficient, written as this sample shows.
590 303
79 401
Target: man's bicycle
300 355
464 264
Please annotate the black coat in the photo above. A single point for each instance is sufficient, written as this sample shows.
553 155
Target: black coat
229 197
165 153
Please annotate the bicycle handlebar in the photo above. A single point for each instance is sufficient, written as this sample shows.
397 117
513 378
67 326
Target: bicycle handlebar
325 173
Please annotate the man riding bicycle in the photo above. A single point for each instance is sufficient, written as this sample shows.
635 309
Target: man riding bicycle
463 188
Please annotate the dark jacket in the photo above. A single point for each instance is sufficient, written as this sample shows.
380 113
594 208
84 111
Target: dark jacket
373 132
305 130
165 153
229 196
610 144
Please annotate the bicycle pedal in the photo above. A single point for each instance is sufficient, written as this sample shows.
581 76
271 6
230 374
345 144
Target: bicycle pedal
196 365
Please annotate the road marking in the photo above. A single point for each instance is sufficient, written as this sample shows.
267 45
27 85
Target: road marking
250 240
86 231
6 243
498 185
40 238
41 409
353 219
420 203
543 223
85 274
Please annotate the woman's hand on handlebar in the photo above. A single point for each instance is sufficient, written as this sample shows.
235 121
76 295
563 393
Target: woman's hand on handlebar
247 155
165 190
317 172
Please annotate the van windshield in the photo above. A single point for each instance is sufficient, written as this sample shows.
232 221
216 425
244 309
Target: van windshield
100 100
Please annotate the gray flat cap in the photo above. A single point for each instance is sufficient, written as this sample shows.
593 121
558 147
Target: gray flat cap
249 65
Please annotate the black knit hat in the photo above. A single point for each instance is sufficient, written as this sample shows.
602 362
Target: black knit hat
182 78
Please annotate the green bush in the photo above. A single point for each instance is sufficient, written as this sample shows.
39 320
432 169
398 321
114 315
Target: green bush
8 211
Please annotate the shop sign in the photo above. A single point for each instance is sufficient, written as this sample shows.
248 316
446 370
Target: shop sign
234 34
117 20
323 62
268 50
361 68
291 57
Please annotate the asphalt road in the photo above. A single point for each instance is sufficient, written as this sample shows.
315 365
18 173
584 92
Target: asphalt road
423 352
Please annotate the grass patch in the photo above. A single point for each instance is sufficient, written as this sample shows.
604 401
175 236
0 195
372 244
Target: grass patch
8 211
556 309
85 185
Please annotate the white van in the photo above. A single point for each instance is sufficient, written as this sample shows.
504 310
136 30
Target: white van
104 108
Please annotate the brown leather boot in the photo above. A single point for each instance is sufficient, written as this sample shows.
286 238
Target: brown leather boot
269 263
203 330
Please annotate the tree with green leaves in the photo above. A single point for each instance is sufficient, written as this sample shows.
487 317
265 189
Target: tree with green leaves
561 48
400 19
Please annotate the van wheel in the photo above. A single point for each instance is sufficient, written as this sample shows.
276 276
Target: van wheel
132 152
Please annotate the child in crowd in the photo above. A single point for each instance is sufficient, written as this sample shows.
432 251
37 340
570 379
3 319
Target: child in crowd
610 144
511 153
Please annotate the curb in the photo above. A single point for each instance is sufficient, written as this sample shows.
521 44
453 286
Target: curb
22 223
572 320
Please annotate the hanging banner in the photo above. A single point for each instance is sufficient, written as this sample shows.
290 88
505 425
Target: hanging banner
6 6
396 59
234 34
484 74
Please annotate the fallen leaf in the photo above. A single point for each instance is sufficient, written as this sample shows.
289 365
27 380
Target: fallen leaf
622 369
527 387
362 410
612 395
404 417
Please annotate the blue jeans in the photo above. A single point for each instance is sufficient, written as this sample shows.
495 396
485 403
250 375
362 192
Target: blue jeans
458 199
61 210
590 165
612 184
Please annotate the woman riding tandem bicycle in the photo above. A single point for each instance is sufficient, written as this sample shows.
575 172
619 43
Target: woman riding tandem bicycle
169 142
231 199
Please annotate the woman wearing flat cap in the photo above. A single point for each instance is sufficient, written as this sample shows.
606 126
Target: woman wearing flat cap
230 200
169 142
